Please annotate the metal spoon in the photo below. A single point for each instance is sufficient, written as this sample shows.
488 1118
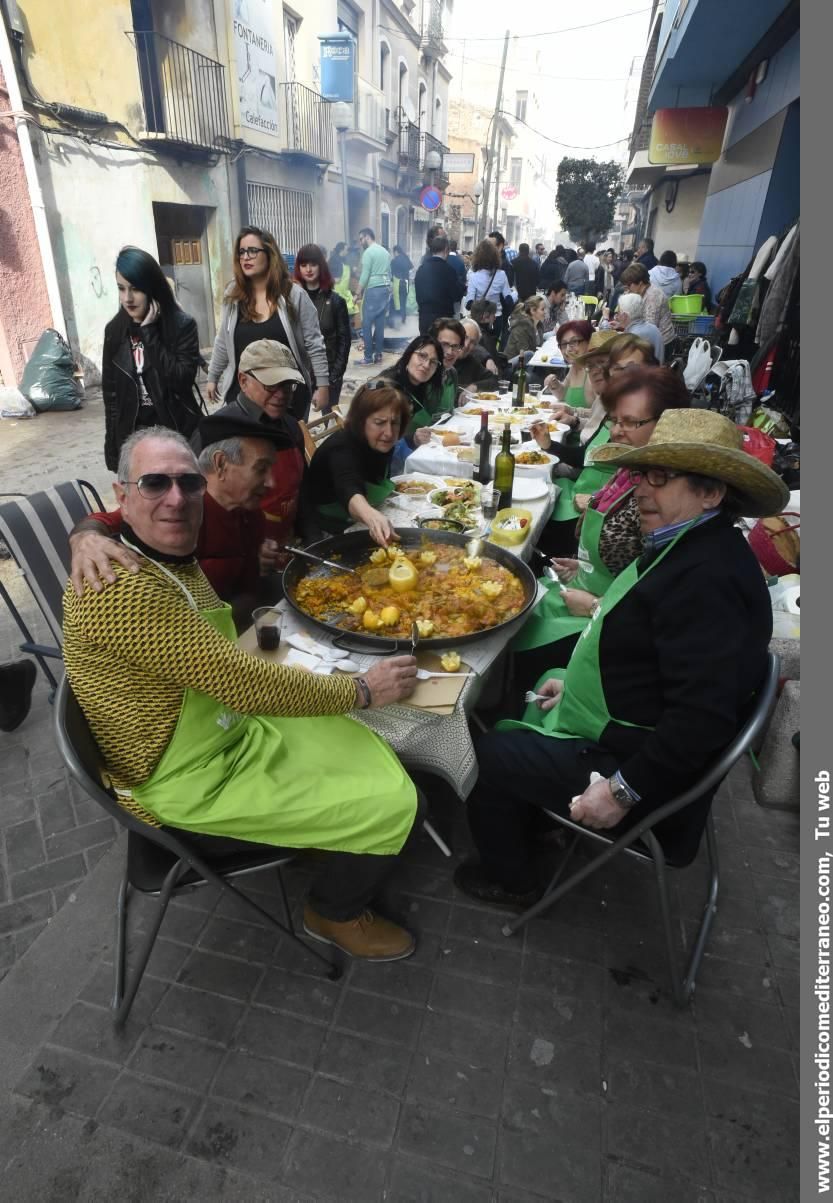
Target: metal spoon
308 555
414 638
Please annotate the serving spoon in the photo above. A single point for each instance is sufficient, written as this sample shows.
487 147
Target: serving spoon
308 555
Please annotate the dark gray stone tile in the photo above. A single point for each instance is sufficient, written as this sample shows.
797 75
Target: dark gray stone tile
246 940
16 915
165 960
101 831
93 855
309 997
784 952
749 981
332 1169
465 1143
98 990
58 1078
176 1057
568 979
455 1084
629 1185
646 1037
350 1111
220 975
24 846
199 1014
737 944
789 987
19 804
244 1140
775 862
47 876
554 1063
432 883
24 939
89 1030
754 1143
413 1181
398 979
674 1146
181 923
757 1068
474 923
381 1018
753 1024
670 1091
150 1110
55 810
548 938
762 828
272 1034
264 1085
564 1015
455 1036
462 996
425 914
550 1142
365 1063
501 966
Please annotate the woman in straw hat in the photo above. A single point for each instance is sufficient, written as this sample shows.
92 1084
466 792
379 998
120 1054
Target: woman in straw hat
609 530
659 682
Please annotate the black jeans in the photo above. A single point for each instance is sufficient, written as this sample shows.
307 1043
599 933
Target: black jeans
519 772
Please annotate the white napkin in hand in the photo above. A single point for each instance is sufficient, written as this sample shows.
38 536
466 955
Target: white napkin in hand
594 777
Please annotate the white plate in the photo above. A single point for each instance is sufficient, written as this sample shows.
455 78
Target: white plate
529 488
552 459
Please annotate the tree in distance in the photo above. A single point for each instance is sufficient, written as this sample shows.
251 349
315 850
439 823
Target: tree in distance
586 197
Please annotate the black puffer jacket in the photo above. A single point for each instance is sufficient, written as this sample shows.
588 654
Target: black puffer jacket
170 370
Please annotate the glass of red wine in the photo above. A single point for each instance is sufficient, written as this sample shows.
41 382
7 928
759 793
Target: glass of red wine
267 628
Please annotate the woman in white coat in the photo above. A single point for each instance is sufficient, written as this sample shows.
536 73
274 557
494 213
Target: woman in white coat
263 302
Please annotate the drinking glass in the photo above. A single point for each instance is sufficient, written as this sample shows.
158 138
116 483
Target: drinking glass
489 501
504 388
268 623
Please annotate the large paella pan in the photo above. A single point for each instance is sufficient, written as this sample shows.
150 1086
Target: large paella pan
454 598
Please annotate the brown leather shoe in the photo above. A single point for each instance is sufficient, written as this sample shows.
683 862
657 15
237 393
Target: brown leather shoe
370 937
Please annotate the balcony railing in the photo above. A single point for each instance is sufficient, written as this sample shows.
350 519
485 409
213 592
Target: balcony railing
370 119
430 143
183 93
409 158
307 126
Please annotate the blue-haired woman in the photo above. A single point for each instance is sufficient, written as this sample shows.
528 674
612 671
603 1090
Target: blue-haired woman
150 357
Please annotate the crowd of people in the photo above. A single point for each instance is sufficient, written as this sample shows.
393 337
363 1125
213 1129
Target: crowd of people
620 651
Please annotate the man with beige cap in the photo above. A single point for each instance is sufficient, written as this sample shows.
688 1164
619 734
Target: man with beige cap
661 677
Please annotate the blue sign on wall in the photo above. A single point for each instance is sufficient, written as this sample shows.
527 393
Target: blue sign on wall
338 66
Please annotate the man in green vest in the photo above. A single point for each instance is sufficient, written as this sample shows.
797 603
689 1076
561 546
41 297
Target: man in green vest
374 294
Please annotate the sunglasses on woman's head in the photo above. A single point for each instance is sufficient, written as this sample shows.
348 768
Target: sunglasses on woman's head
153 485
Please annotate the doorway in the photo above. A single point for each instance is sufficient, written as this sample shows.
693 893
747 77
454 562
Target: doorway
182 247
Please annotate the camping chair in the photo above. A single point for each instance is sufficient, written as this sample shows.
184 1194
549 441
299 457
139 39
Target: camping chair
640 843
319 429
36 530
162 861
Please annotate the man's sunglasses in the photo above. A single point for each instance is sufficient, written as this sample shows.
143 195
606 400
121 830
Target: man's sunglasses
153 485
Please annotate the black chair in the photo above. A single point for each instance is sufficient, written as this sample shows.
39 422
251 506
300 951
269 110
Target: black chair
161 861
642 845
36 530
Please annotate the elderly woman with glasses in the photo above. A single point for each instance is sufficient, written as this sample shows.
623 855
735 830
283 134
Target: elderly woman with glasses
349 475
609 533
264 302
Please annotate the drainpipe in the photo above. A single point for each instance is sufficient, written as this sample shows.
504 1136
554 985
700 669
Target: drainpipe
33 184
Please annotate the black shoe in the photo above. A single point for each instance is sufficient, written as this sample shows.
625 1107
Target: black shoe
16 684
472 880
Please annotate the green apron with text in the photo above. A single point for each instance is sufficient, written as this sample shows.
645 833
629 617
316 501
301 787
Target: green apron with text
333 517
325 782
582 712
551 620
591 478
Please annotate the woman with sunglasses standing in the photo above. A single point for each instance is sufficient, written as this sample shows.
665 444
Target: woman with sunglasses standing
609 532
313 274
264 303
150 358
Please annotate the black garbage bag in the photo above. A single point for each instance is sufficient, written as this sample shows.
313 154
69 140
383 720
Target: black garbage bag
48 381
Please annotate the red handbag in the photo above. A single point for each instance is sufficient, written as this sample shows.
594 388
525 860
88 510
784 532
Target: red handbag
761 445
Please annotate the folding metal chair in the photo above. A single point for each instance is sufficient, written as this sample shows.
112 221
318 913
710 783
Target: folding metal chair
36 530
640 843
161 861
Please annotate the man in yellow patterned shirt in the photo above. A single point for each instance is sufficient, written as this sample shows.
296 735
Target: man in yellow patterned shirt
207 738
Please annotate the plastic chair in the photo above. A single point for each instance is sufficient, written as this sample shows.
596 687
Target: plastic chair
640 843
319 429
161 861
36 530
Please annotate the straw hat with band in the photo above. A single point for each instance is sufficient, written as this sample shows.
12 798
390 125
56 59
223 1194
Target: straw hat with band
705 443
597 348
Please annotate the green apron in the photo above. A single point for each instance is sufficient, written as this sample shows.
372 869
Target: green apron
574 396
342 287
591 478
333 517
551 620
325 782
582 712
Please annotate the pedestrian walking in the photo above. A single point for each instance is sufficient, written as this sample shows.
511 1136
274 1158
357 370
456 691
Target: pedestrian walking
374 293
313 274
401 268
437 286
526 273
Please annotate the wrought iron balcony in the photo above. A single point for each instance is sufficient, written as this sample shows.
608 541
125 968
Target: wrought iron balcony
430 143
409 147
183 94
307 126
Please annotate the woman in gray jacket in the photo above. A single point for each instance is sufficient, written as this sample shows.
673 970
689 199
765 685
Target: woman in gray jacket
263 302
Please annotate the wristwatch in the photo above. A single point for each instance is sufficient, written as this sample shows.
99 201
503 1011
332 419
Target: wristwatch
621 796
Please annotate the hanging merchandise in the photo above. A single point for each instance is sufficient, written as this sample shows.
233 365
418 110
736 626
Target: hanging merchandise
782 275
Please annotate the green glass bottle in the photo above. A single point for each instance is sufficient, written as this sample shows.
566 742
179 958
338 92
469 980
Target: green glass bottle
505 469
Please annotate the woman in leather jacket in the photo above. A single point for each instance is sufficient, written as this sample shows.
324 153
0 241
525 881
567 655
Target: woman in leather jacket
313 274
150 358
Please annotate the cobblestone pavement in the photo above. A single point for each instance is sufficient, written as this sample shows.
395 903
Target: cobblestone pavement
551 1066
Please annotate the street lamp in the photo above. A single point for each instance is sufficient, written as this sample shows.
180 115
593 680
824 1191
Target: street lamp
343 121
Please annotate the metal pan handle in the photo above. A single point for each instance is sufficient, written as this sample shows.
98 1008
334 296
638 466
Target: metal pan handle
361 649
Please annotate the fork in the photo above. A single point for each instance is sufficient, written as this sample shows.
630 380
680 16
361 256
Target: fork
423 674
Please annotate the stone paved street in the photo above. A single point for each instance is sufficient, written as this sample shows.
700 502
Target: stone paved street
550 1066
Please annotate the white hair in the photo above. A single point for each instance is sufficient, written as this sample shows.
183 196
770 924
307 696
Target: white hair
232 449
139 436
470 324
633 305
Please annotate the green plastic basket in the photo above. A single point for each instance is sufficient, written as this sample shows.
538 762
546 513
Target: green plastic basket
690 306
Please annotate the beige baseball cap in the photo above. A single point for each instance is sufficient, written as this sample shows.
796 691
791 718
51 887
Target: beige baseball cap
270 362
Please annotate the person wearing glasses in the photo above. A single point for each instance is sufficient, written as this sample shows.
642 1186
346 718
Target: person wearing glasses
201 736
575 389
263 302
609 534
663 676
622 351
420 375
349 476
150 357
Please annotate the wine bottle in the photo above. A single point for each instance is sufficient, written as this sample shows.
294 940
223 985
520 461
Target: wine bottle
505 469
483 469
520 384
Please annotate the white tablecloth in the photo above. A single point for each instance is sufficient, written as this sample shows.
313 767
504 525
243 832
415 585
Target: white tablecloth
553 360
434 459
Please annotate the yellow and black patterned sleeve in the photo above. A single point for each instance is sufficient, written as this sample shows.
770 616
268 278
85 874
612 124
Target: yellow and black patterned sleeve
147 623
